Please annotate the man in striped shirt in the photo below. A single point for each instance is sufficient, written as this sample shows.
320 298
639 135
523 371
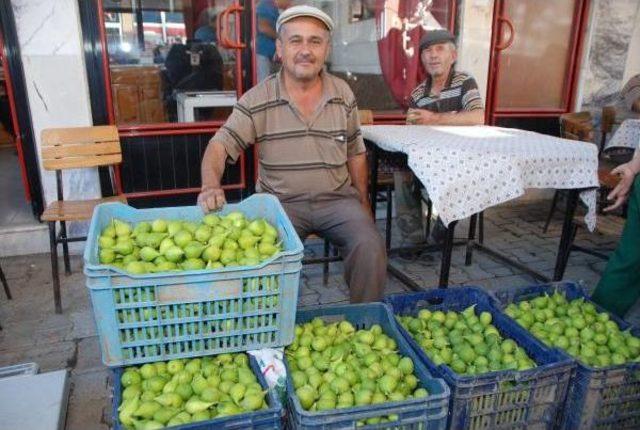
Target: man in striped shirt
446 97
310 150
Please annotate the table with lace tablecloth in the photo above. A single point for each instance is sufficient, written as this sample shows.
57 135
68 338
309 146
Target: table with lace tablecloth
467 169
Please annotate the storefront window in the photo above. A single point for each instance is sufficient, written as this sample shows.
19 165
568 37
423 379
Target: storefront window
166 64
375 46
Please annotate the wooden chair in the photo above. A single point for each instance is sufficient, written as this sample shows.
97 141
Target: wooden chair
606 125
74 148
578 126
573 126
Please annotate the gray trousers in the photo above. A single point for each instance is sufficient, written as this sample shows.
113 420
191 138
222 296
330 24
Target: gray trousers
339 217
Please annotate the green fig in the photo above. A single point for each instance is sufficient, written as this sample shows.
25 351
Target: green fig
174 227
126 410
165 245
107 256
159 226
147 409
149 254
174 254
169 399
194 405
182 238
193 264
193 250
106 242
203 233
211 220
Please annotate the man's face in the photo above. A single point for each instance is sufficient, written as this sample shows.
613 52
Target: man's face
437 59
303 46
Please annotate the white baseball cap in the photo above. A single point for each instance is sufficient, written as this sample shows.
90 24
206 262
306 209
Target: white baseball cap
304 10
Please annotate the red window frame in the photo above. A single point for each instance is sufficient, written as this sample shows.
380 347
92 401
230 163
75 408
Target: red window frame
492 113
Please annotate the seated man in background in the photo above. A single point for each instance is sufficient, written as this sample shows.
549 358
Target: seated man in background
446 97
311 153
619 286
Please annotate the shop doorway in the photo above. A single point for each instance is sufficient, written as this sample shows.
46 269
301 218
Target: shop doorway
16 208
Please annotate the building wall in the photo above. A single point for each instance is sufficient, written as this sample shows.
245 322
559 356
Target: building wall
474 40
613 52
50 39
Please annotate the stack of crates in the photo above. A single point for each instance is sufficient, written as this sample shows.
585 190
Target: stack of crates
164 316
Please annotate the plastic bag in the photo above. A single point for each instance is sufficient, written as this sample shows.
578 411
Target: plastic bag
272 367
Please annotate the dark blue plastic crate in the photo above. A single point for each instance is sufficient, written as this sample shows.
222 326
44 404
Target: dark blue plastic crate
599 398
507 399
429 413
218 295
266 419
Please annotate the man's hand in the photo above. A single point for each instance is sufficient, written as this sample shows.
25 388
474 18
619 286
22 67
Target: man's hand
211 199
620 193
422 117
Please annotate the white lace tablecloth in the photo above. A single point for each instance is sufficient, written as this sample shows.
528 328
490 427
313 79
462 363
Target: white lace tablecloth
627 136
468 169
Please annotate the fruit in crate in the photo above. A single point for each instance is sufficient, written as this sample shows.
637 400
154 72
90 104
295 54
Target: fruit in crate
466 342
335 366
578 328
215 242
178 392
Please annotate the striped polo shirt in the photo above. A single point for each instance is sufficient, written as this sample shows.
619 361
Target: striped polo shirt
459 93
295 156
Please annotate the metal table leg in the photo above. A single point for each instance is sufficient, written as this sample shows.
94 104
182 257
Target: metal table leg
565 240
471 240
374 179
445 265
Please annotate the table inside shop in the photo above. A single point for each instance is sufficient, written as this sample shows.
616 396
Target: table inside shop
467 169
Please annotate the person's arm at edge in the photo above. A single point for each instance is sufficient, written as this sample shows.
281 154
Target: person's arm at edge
627 173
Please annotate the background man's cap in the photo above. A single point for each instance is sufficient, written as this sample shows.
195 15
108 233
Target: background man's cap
433 37
304 10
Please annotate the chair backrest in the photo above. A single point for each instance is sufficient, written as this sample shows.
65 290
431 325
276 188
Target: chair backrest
576 126
608 119
77 147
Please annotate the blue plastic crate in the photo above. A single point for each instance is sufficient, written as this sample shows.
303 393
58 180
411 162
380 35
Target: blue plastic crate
162 316
265 419
599 398
507 399
429 413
